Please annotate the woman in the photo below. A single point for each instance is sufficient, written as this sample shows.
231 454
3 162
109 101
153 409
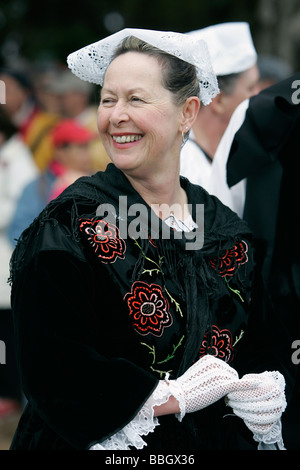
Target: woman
126 317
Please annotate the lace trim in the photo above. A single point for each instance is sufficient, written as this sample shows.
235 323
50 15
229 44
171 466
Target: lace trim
268 438
177 392
272 440
90 62
141 425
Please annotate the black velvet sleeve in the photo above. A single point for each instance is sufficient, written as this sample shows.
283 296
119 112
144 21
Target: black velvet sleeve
71 374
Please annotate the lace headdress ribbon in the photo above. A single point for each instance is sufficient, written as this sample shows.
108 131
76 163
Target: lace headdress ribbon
91 62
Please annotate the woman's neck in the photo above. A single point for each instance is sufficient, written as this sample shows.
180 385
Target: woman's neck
163 193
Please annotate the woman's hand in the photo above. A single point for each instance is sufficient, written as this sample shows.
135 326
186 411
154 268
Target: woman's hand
261 405
205 382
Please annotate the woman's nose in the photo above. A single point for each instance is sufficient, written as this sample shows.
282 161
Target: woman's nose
119 114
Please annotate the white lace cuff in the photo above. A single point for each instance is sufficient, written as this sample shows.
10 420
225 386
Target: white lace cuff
141 425
272 440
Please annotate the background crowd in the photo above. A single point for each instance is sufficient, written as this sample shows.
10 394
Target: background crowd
48 138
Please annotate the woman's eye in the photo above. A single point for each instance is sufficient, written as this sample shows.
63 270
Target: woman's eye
107 100
136 98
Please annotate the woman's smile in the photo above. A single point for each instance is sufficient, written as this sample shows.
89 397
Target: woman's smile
125 140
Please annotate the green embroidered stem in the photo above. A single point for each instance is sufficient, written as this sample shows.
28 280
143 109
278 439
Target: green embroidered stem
161 372
177 306
237 338
235 291
149 259
152 351
170 356
151 271
159 270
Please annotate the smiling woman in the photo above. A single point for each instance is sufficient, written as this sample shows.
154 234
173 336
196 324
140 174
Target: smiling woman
138 121
127 340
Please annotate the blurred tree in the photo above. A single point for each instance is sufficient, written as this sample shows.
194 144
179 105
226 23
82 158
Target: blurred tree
51 29
278 29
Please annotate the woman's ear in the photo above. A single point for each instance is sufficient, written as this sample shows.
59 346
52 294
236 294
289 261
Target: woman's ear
189 112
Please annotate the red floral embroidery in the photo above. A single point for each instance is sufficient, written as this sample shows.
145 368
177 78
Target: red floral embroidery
148 308
229 262
104 238
219 344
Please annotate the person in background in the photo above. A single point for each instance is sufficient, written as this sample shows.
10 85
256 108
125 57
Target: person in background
133 333
71 159
272 70
234 61
17 168
33 123
76 101
72 154
44 80
257 177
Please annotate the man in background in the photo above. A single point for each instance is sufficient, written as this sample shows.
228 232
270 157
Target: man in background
234 61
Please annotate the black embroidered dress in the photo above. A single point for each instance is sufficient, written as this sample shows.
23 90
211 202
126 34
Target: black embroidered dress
101 317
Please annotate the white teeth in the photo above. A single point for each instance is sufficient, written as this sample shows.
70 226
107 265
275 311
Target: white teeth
126 138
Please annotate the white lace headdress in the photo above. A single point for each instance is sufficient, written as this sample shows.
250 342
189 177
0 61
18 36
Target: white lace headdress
91 62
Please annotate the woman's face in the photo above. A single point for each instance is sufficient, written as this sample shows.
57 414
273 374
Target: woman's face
137 120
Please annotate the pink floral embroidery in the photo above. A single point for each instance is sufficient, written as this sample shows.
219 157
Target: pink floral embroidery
104 238
148 308
218 343
230 260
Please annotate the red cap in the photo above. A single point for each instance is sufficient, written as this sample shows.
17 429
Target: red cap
69 131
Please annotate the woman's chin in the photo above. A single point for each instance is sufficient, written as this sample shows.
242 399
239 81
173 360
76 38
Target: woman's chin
124 163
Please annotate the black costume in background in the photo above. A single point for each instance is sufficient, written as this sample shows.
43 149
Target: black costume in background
266 151
89 355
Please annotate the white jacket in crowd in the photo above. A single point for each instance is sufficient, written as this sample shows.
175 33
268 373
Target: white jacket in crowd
17 169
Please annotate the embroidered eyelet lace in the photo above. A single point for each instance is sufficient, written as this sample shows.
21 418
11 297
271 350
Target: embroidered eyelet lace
261 406
91 62
256 398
